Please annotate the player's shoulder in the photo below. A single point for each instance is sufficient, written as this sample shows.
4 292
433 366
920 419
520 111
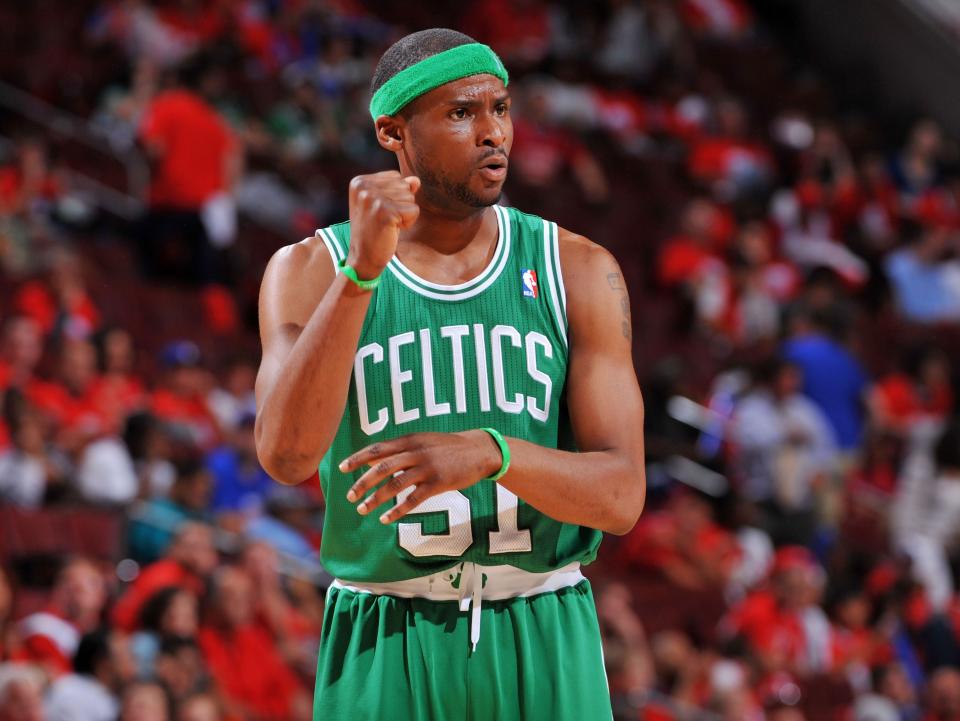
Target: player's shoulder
581 256
314 256
301 254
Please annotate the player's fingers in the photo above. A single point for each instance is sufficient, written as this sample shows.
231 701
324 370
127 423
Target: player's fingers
409 215
379 470
413 182
373 453
398 211
423 491
391 488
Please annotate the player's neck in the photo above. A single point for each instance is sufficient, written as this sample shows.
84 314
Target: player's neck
448 233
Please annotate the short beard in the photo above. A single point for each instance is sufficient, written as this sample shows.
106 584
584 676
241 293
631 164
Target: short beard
441 185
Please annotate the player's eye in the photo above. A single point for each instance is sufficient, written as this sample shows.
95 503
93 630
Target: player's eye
458 113
502 109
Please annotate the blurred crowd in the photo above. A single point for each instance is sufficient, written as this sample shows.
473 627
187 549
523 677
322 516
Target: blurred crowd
795 270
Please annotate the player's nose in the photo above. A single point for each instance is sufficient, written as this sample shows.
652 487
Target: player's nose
491 131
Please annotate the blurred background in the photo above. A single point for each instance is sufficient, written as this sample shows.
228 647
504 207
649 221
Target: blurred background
780 181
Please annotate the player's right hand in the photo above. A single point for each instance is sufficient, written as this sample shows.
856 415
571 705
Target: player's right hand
380 205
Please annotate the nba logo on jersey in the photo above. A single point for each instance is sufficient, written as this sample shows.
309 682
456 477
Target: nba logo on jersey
529 282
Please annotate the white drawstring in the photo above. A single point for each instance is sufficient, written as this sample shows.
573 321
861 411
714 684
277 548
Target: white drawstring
471 577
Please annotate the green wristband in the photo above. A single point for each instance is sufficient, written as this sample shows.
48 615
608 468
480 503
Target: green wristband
352 275
504 452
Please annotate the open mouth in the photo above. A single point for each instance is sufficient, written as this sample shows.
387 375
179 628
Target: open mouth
494 168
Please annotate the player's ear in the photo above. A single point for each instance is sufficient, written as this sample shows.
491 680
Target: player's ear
390 132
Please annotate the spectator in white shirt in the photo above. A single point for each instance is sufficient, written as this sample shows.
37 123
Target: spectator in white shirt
783 447
102 665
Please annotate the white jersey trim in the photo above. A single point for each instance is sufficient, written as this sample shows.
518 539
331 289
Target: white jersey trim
550 257
558 270
472 287
333 247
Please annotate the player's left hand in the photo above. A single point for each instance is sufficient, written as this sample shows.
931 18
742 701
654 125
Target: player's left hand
431 463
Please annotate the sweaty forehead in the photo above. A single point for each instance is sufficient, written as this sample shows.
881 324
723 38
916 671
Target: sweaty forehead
478 88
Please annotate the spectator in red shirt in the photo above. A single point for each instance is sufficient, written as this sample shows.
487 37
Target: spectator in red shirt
920 392
704 232
729 161
60 305
683 543
70 402
188 561
242 657
51 637
694 262
294 626
196 157
772 620
181 400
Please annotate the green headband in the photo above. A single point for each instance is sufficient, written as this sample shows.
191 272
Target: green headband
453 64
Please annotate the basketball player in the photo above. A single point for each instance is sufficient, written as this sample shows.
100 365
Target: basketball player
462 374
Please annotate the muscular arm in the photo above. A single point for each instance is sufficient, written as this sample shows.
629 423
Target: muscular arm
604 485
310 322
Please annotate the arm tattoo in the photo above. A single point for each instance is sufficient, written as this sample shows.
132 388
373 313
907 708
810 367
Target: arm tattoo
615 281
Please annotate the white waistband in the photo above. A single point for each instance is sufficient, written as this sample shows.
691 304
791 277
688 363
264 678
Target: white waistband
470 584
499 583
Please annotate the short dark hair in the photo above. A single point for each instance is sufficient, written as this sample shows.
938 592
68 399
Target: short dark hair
153 611
413 48
94 648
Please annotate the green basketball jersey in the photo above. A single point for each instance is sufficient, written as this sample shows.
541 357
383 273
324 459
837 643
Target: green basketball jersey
491 352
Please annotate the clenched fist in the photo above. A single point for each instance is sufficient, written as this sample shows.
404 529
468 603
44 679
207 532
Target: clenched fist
380 205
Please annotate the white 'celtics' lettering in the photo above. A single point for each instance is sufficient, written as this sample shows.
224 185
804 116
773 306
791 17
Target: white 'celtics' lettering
533 340
483 385
455 333
508 538
499 384
398 377
375 351
511 356
429 392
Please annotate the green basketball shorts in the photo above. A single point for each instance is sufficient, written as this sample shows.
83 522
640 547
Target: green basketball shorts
388 658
